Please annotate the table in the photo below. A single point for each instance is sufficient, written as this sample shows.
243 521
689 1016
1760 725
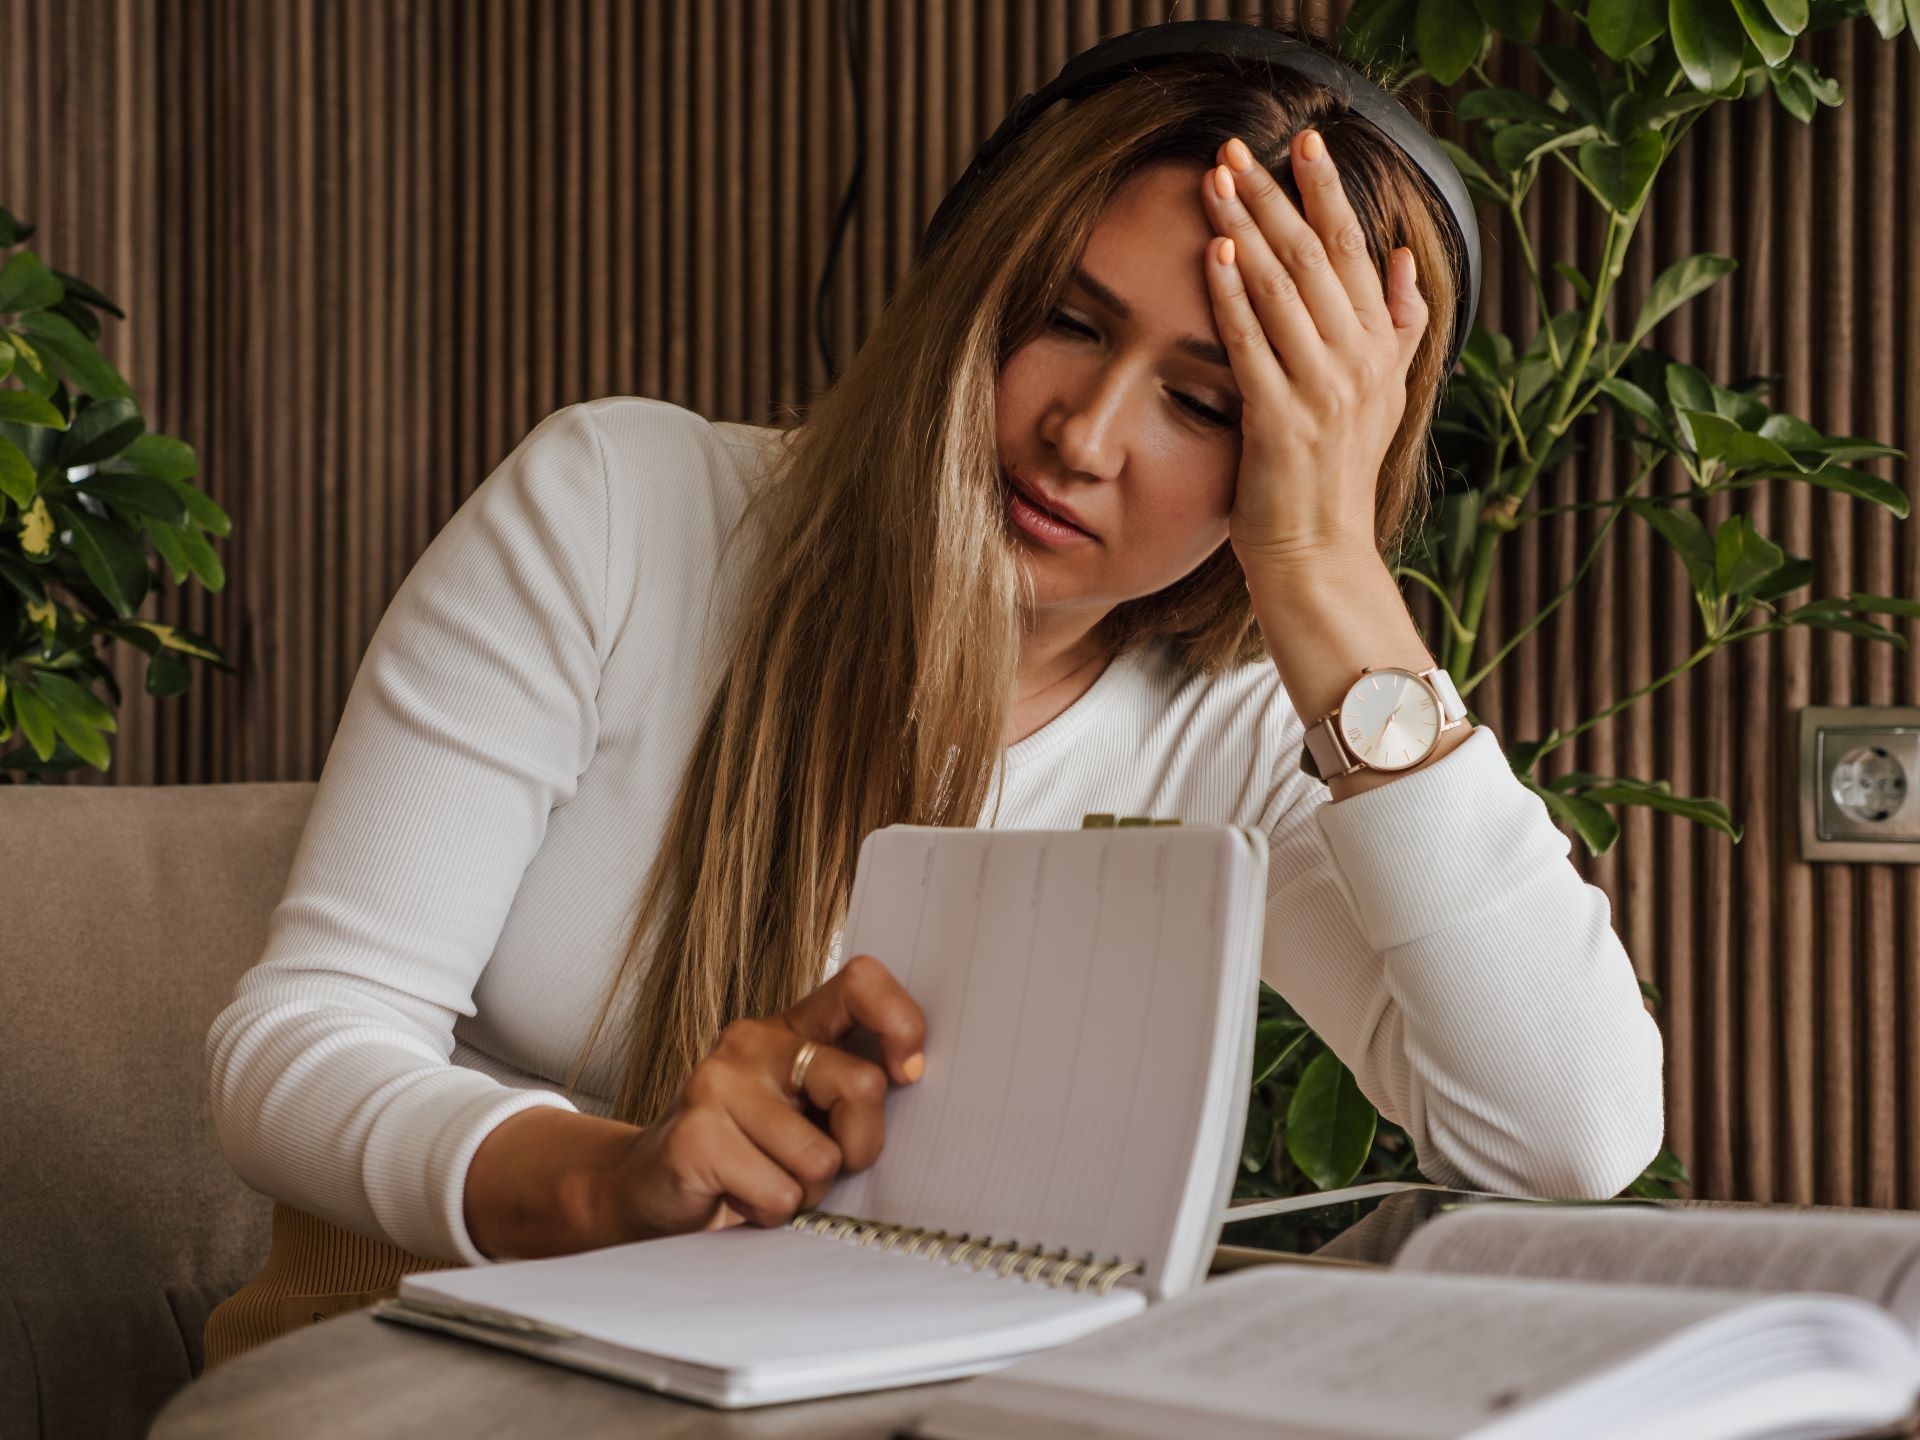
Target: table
357 1378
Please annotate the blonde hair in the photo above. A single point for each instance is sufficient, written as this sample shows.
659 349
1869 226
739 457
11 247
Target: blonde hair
871 678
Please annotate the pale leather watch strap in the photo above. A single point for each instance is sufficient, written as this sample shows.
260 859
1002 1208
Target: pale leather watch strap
1324 755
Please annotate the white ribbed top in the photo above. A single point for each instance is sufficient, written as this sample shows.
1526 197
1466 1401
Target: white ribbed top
503 771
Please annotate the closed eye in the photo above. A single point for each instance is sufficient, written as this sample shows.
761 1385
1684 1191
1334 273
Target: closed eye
1062 321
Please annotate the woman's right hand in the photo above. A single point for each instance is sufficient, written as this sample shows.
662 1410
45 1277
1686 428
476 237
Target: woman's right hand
739 1145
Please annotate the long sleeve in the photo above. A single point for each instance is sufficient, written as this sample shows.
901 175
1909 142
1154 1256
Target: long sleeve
472 715
1434 932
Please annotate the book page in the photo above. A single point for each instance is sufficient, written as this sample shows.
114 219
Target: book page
1336 1352
1075 984
1874 1255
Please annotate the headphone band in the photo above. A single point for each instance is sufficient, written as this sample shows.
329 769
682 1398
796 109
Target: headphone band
1137 50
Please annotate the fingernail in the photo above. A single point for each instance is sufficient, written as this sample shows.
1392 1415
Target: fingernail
915 1066
1223 182
1313 147
1238 156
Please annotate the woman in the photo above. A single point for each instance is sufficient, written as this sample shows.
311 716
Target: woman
716 657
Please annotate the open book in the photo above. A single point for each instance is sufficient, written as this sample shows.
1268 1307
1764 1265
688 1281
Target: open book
1089 997
1510 1322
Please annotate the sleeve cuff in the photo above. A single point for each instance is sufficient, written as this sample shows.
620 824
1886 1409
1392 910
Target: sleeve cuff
417 1167
1439 844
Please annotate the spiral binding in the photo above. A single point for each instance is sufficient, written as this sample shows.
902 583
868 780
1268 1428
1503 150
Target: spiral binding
979 1251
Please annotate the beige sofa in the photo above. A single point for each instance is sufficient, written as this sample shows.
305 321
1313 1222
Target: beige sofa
130 913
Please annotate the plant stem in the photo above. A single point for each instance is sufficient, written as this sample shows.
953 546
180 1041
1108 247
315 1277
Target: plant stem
1652 685
1459 631
1586 563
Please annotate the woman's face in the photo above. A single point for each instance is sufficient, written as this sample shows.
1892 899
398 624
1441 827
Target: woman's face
1098 412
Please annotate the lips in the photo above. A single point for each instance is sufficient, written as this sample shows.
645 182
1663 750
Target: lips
1043 501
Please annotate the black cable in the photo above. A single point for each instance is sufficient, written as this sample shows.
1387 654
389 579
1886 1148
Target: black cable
856 70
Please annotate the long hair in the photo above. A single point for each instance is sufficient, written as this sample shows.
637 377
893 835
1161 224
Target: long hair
871 677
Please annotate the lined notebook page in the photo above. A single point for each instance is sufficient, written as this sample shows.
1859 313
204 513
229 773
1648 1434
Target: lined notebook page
1075 988
748 1300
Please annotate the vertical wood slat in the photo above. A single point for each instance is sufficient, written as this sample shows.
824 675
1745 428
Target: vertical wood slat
366 246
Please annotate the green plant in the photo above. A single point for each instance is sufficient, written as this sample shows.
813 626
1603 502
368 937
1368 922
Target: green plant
84 485
1611 118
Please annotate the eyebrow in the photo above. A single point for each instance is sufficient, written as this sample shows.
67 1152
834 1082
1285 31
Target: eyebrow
1194 345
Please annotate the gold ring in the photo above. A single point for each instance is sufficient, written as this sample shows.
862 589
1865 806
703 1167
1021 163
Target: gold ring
797 1078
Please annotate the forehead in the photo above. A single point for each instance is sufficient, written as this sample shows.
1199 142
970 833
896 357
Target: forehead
1150 243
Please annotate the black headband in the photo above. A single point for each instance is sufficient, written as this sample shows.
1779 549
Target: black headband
1111 60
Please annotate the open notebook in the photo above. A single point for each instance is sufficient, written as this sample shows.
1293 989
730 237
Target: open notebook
1089 998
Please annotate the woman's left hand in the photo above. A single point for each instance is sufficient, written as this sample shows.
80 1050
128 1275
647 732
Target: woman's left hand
1320 354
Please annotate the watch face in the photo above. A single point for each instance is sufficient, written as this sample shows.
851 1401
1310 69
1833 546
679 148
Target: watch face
1389 719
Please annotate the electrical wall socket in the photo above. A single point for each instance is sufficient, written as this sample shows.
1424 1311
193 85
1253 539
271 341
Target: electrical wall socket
1860 783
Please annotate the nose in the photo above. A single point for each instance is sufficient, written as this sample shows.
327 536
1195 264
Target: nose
1088 429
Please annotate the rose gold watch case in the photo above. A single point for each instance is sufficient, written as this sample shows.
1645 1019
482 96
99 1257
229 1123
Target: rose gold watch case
1324 734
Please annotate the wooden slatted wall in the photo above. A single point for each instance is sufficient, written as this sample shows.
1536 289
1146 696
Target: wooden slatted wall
365 245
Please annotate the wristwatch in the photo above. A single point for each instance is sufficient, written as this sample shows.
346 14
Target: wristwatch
1391 718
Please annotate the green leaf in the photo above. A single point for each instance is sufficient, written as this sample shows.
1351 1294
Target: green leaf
1773 43
204 563
161 456
22 578
1514 145
26 409
64 694
36 720
1885 604
208 515
1330 1123
6 359
1637 403
1582 286
1666 1166
26 284
153 637
1658 795
1622 173
1709 40
1620 27
1860 485
1865 629
1273 1042
1573 76
1448 36
1257 1144
1496 102
12 228
37 532
1523 755
1591 821
168 676
171 542
99 430
1480 184
1889 17
1788 15
113 562
1375 32
1743 557
1514 19
16 474
30 369
75 356
138 494
1796 572
1676 285
1683 530
78 289
1652 992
